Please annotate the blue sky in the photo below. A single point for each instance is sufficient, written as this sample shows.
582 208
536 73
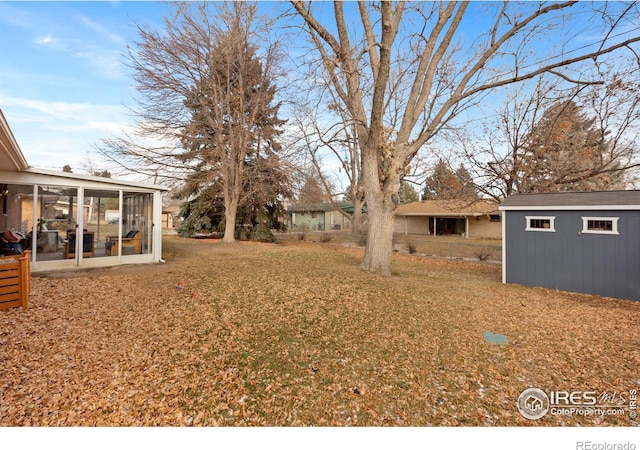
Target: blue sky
64 84
63 81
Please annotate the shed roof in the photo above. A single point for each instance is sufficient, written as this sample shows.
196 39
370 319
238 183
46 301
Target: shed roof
574 200
448 208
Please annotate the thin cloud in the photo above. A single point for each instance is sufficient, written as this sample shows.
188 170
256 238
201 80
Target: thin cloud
17 17
49 40
75 113
67 131
91 41
95 26
105 62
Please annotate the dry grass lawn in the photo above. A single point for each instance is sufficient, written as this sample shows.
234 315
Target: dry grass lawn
296 334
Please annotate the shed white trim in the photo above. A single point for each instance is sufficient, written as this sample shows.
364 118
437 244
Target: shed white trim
550 219
571 208
504 251
587 230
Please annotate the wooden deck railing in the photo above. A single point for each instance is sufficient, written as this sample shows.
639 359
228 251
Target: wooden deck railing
15 281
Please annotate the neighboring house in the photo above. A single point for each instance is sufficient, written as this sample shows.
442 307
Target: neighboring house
171 219
43 206
320 216
585 242
169 213
480 219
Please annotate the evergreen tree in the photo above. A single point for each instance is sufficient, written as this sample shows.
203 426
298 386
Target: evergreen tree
407 193
565 152
442 184
260 211
231 141
445 184
468 191
101 173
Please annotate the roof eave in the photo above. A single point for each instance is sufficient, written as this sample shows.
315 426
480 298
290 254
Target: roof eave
448 214
94 178
570 208
13 149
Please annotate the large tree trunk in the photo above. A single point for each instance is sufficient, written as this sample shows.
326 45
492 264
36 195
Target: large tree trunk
357 219
382 200
377 254
230 212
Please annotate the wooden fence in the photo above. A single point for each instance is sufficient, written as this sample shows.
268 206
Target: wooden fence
15 281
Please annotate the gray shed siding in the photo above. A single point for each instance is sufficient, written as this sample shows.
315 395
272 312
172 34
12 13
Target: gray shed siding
600 264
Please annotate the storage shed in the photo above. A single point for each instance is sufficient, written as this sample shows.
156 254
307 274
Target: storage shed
586 242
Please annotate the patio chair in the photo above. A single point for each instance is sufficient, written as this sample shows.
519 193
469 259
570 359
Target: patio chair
131 243
88 242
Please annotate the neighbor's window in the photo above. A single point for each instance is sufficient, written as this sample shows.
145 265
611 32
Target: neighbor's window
600 225
541 223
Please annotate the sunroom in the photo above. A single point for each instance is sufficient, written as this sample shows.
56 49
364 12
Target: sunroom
68 220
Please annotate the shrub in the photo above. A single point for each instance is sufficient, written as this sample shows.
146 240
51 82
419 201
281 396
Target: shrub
302 234
325 237
483 254
262 233
411 247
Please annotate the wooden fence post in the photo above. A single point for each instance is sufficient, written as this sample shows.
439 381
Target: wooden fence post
25 278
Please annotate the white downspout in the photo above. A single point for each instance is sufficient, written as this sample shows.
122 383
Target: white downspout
34 231
157 226
504 246
79 224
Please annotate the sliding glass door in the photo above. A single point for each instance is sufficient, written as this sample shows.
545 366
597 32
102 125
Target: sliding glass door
69 226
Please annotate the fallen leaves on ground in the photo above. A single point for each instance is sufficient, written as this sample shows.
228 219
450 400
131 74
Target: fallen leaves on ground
297 334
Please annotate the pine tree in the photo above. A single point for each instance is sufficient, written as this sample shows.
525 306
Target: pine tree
231 141
445 184
407 193
468 191
565 152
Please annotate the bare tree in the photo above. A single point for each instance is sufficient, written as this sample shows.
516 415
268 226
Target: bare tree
498 158
438 74
314 188
206 85
339 142
553 139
